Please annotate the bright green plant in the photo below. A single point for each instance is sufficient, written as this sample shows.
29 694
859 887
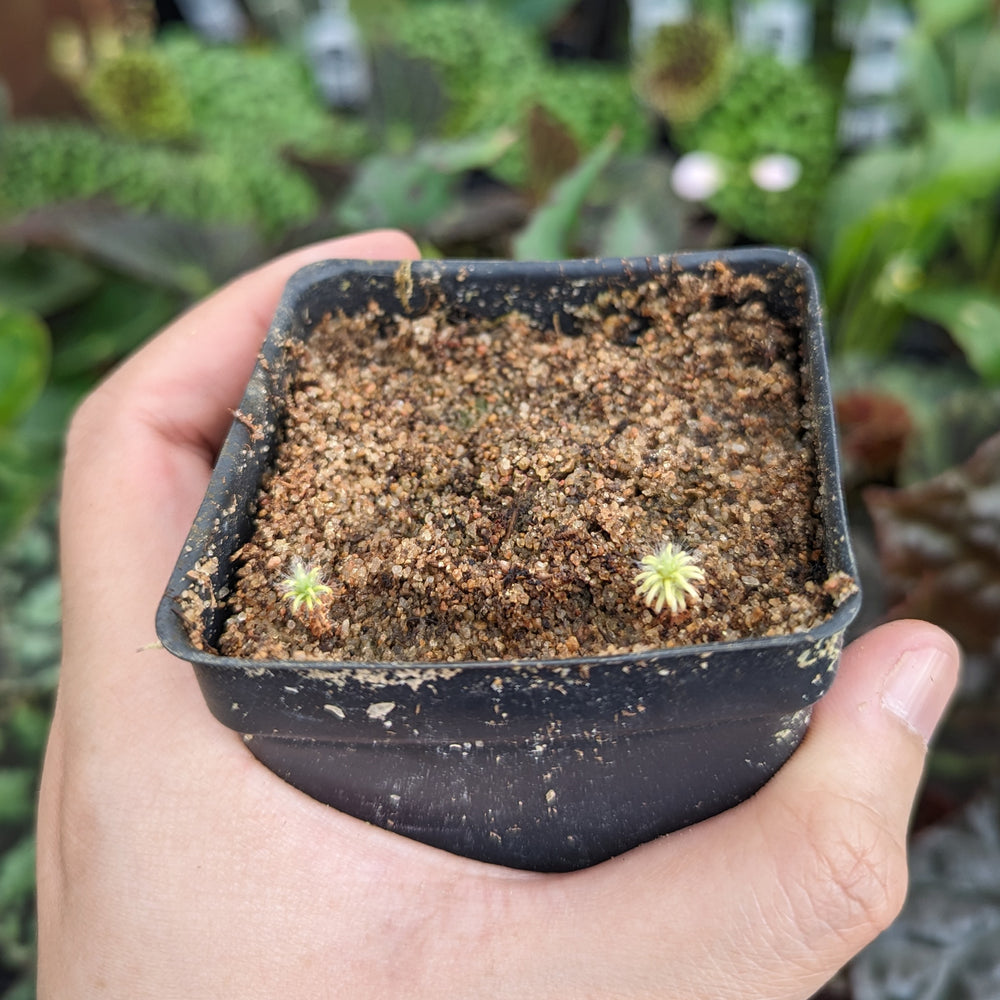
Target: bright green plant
768 108
258 98
587 101
913 229
241 112
42 164
667 579
493 73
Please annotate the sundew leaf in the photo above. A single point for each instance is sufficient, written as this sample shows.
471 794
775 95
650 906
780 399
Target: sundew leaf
945 945
939 546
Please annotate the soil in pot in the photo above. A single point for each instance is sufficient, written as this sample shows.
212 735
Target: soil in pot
471 489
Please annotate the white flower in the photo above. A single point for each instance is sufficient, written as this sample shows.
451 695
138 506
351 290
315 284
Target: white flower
776 172
697 176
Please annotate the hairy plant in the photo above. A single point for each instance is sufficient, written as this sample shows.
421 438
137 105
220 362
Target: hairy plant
667 579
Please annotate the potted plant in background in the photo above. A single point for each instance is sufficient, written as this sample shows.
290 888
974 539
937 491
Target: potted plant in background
532 562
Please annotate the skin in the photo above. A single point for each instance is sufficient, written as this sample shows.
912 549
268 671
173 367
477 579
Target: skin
172 864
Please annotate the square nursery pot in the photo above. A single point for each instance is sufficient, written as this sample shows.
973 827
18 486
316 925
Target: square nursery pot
549 763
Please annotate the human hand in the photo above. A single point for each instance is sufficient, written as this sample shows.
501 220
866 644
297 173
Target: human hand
173 864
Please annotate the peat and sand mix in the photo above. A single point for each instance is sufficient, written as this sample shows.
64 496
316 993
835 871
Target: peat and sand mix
471 489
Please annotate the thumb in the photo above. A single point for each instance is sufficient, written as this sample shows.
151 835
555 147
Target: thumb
837 814
769 899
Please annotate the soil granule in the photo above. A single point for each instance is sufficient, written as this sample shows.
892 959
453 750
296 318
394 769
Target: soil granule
485 489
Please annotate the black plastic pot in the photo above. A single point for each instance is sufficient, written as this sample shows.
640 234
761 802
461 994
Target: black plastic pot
548 765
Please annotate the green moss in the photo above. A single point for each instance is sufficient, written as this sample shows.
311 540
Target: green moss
769 108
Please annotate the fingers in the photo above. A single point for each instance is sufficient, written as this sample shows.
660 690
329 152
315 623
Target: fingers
186 379
843 803
798 879
140 450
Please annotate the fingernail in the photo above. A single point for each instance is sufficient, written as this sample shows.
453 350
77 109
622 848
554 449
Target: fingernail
918 688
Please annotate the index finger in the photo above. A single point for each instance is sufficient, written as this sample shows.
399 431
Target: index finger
140 451
196 370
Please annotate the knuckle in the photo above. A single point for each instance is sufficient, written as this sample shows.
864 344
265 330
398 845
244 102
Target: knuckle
856 876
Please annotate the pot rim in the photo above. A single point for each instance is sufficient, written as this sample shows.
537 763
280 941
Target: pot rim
199 544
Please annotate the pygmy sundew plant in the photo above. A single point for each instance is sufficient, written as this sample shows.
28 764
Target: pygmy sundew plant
304 586
667 578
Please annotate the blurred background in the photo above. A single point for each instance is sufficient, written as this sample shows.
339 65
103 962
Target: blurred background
148 152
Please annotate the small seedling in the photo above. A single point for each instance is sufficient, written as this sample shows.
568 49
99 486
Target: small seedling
304 586
667 578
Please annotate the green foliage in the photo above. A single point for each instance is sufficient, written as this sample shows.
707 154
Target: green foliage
257 98
914 230
92 320
587 100
24 362
409 190
492 72
769 108
549 233
473 48
243 111
138 94
683 68
44 163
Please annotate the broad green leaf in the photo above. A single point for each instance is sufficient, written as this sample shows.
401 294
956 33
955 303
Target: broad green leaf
939 16
548 232
411 190
971 316
857 193
644 217
44 281
24 361
966 149
929 85
17 873
109 325
17 794
390 190
984 78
